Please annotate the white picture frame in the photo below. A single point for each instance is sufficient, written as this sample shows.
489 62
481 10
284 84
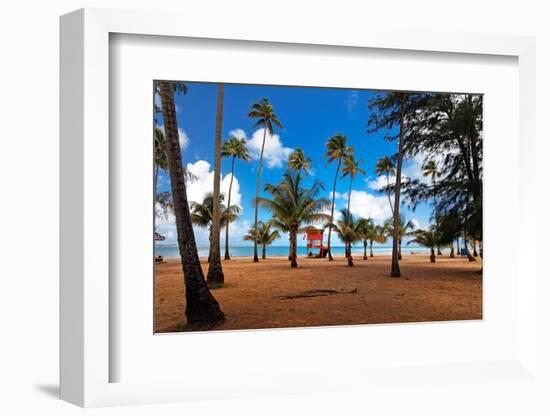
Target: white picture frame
85 212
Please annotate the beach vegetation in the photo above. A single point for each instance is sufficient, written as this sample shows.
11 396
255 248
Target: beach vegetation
202 214
349 228
294 206
351 168
202 310
404 228
426 238
336 151
215 276
264 113
264 236
391 112
299 162
234 148
385 167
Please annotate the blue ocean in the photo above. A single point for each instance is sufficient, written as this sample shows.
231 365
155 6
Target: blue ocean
171 250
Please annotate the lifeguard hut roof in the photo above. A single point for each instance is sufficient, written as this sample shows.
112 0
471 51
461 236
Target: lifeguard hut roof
313 230
313 233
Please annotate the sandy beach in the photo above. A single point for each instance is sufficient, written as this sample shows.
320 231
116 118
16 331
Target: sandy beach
254 294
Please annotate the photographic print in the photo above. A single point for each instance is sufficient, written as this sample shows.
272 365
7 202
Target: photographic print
289 206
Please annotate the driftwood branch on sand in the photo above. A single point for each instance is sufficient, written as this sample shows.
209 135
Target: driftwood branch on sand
317 292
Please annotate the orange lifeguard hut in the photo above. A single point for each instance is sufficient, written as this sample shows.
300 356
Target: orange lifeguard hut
314 239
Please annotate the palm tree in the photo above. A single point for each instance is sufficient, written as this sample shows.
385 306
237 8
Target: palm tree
396 272
351 169
235 148
390 111
380 236
263 111
264 237
163 205
202 215
466 248
293 206
386 167
426 238
348 229
201 308
336 151
299 162
161 157
366 230
403 229
215 277
430 169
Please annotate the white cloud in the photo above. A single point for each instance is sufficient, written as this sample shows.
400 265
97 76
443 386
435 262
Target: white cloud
165 224
274 151
238 133
237 230
412 169
379 183
184 139
196 191
182 136
163 216
337 195
204 183
370 206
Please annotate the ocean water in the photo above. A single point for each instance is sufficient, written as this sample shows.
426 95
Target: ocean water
171 250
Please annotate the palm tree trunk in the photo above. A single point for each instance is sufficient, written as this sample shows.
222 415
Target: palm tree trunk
258 195
348 254
201 308
293 244
289 248
439 253
458 245
399 256
468 254
475 248
452 255
365 257
227 257
371 254
263 252
432 255
350 257
156 180
388 192
329 248
215 275
209 245
395 271
349 193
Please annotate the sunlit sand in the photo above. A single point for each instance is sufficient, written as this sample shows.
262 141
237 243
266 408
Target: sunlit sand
254 294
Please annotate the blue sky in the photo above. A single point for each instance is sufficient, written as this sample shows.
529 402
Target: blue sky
310 116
